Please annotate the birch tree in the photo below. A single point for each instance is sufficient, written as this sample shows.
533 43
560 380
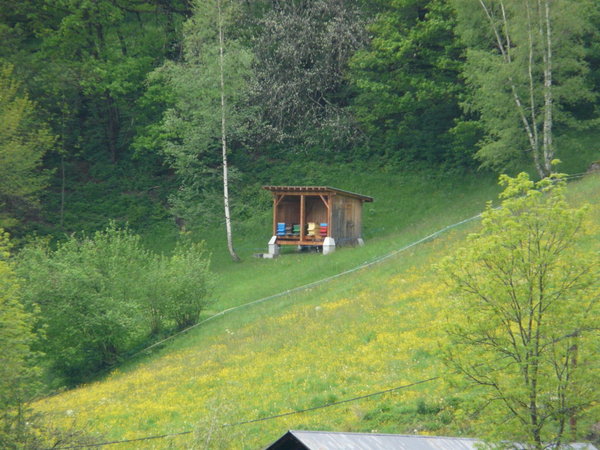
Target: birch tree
232 252
210 111
524 66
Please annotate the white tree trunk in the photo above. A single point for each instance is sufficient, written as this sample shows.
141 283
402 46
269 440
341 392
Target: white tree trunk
535 142
542 157
232 252
544 10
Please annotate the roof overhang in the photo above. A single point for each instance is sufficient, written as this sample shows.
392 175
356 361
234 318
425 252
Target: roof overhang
282 190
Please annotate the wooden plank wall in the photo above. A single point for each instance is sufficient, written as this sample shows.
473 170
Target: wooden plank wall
347 220
288 210
316 211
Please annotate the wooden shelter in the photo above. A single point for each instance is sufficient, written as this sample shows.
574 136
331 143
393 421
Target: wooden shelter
316 216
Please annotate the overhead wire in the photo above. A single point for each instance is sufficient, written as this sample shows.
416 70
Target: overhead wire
261 419
281 294
313 284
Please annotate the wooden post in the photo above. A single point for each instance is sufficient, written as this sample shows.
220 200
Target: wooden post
277 198
275 214
329 215
302 218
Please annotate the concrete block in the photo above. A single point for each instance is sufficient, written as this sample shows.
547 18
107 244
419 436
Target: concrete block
273 247
328 245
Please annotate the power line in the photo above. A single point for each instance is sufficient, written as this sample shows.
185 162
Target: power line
310 285
313 284
304 287
261 419
281 294
264 419
125 441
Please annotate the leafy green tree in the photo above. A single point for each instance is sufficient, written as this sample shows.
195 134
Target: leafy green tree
17 373
526 74
85 64
23 142
210 117
407 80
527 293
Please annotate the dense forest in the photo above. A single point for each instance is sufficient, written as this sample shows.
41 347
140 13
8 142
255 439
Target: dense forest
115 105
126 125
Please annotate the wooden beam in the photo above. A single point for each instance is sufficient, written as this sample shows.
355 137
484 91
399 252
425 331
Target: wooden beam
329 215
302 218
324 201
275 215
277 198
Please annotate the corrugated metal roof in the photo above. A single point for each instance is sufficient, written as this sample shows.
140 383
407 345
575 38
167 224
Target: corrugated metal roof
317 189
325 440
374 441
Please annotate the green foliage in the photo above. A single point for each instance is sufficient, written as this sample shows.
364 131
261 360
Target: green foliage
88 292
529 299
97 296
17 373
407 80
192 127
179 286
527 76
85 63
88 62
23 142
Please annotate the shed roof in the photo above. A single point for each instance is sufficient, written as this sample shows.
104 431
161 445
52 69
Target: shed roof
326 440
316 189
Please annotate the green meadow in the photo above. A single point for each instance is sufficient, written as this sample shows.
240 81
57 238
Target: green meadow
375 329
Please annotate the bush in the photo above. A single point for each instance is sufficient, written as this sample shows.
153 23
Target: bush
100 296
87 291
182 285
179 287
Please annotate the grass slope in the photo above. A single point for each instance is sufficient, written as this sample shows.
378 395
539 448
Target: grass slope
370 331
407 206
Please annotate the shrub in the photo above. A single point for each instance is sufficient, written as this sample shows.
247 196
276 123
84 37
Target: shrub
102 295
88 293
179 287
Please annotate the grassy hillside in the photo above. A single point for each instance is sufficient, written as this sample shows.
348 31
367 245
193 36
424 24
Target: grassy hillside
408 205
367 332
